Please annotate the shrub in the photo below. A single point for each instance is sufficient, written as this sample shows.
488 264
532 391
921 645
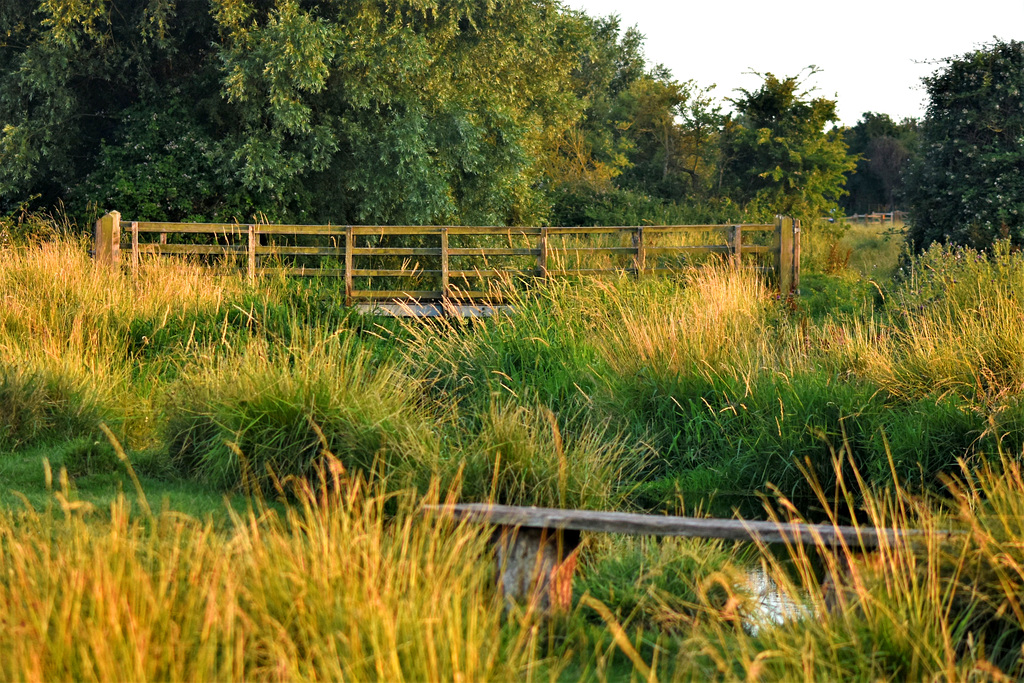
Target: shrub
86 455
37 405
266 411
966 187
519 456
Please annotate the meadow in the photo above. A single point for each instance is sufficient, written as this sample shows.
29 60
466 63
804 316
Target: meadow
205 478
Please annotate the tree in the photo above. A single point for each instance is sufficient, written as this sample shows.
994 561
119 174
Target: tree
885 148
415 111
780 158
967 187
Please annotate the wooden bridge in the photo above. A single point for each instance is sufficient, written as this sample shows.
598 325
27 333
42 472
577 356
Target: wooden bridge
427 270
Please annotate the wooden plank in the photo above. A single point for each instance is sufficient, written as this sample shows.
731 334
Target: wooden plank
302 272
300 251
736 243
107 239
325 230
381 230
492 251
755 249
396 251
584 271
394 272
190 228
796 258
266 229
192 249
718 248
251 255
491 230
349 244
640 262
375 294
592 250
657 525
542 255
444 261
490 272
604 230
416 295
135 247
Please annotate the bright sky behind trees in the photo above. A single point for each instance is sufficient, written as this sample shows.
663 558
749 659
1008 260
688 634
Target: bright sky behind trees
872 53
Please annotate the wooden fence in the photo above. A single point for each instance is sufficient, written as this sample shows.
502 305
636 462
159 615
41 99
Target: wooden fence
450 263
878 217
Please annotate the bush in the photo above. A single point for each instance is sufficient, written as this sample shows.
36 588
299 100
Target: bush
967 188
266 412
38 406
86 456
520 457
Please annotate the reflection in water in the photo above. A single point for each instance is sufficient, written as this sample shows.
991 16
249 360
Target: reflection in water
771 605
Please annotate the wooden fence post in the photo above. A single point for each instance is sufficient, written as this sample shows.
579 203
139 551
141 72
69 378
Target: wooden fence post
542 257
640 264
135 248
444 264
349 239
784 254
251 253
107 239
736 245
796 257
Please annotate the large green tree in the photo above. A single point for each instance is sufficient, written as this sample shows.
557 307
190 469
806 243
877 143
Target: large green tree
356 110
781 156
968 187
886 149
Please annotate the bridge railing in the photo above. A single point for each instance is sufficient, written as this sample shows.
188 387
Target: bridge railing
438 263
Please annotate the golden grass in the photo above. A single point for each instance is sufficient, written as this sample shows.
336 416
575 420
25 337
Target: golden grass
331 589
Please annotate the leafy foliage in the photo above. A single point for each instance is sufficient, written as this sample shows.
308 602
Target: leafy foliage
779 156
885 148
967 188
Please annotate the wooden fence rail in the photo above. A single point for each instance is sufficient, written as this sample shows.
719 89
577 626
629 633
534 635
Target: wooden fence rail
449 259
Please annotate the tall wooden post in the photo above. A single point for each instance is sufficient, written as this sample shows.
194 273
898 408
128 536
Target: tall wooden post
444 264
542 257
736 245
251 253
796 257
784 254
135 248
640 263
107 239
349 244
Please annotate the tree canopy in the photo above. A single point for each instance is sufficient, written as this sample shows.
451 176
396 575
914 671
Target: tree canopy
405 111
779 155
967 187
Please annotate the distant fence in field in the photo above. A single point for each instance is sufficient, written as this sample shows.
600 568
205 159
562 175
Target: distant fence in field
878 217
450 263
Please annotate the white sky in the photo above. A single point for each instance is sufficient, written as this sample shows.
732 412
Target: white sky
870 52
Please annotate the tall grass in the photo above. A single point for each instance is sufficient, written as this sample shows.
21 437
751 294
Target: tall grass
611 394
332 588
264 411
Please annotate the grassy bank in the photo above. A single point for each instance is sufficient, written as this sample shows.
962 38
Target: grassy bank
893 401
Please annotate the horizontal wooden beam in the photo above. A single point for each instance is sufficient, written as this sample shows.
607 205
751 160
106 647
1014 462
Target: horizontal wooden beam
192 249
717 248
300 251
828 535
491 251
187 228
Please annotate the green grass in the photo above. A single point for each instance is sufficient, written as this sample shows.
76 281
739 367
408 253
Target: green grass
888 401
